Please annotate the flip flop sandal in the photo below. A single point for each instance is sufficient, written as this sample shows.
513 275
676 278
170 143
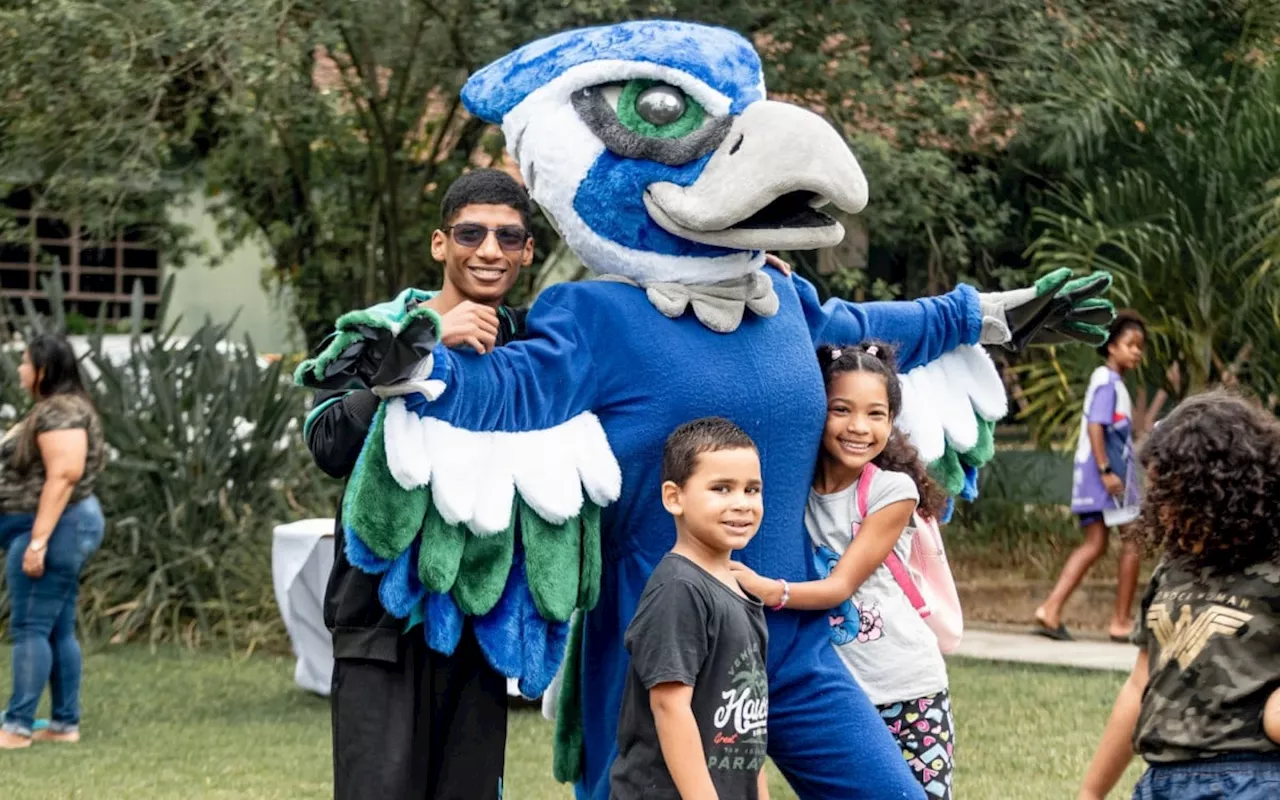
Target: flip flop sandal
1059 633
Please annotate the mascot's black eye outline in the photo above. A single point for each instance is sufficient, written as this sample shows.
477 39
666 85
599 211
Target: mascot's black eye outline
628 133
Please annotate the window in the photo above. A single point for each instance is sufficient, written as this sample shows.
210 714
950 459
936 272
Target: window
98 274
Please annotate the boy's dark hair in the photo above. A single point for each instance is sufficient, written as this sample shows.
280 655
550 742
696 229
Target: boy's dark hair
1214 483
486 187
899 454
1126 319
692 439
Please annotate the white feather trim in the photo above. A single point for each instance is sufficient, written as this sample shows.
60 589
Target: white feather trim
496 493
545 473
597 469
958 420
459 462
919 419
408 460
474 475
942 400
987 389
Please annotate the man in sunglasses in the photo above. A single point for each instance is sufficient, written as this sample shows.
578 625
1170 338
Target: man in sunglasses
409 722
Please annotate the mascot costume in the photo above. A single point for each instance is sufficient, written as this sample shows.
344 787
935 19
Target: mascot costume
521 486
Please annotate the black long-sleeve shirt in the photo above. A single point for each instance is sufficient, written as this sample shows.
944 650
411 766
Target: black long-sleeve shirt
360 626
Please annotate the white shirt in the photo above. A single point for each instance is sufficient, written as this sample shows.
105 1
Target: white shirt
879 636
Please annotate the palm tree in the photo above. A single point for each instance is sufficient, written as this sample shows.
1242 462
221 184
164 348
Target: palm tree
1169 164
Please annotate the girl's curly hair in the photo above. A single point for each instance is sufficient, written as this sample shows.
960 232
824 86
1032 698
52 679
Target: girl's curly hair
899 455
1213 494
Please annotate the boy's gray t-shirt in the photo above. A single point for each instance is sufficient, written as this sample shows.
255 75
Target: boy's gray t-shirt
690 628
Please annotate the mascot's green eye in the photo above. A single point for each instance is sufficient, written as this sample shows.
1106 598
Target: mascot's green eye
659 110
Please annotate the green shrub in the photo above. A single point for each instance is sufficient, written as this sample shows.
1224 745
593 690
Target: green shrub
205 458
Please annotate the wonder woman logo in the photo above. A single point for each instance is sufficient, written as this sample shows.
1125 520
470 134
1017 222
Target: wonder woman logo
1186 638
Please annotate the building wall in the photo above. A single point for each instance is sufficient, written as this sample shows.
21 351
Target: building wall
217 285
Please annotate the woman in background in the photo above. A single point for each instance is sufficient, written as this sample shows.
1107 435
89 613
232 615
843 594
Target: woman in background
50 524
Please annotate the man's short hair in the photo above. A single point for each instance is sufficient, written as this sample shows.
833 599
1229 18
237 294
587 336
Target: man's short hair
486 187
692 439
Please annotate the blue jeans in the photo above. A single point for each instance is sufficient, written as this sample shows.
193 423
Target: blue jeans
1238 777
42 614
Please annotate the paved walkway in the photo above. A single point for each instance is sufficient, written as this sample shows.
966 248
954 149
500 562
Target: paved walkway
1025 647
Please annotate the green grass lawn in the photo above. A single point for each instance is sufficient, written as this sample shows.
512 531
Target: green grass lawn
201 725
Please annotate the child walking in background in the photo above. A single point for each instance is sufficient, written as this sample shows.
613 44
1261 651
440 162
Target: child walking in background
881 637
1196 706
1105 485
695 710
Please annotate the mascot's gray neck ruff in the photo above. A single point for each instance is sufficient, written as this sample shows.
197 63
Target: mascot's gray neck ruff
719 306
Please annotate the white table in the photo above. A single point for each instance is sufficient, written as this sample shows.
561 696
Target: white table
301 559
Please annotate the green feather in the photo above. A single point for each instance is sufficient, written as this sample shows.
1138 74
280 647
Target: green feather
948 472
382 513
482 574
440 553
566 763
985 449
589 579
552 562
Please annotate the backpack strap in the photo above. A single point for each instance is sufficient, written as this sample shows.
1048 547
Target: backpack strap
896 568
900 574
864 488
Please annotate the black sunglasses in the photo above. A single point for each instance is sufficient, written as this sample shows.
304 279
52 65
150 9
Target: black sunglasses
473 234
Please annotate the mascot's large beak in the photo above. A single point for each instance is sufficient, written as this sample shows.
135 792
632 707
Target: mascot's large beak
763 185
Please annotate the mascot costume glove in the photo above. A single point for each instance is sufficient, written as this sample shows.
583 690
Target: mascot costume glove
521 487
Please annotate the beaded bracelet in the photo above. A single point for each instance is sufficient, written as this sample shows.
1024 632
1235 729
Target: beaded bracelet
786 595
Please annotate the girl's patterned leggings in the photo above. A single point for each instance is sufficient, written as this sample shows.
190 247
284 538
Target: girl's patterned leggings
925 730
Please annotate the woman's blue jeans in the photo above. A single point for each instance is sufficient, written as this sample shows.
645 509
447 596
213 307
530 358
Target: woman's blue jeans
42 614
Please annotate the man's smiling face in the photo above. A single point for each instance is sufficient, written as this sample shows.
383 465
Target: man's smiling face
484 272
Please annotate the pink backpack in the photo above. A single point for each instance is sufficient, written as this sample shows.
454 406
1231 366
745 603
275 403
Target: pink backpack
926 578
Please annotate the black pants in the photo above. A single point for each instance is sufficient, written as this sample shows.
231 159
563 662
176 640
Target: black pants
429 727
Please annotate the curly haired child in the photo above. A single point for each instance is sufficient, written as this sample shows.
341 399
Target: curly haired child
1209 629
880 636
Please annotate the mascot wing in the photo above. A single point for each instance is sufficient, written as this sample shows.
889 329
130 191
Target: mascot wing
950 407
500 526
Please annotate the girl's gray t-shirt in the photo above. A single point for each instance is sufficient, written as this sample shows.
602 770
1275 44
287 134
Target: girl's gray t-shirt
692 629
879 635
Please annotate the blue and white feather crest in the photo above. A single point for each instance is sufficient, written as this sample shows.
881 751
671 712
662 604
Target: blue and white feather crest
694 200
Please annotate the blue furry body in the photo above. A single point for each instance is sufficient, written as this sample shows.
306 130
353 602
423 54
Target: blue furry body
602 347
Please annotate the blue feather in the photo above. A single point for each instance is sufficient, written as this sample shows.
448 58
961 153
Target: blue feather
499 632
970 491
544 647
442 624
400 591
718 57
360 556
610 201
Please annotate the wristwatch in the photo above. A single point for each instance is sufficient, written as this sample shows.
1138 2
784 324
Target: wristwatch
36 546
1106 469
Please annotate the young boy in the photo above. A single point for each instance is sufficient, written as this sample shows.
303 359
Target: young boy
694 717
410 723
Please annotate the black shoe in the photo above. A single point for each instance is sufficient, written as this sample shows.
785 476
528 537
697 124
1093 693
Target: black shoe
1059 633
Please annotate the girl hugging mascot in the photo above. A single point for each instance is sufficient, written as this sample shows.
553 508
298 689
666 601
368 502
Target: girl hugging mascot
521 486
